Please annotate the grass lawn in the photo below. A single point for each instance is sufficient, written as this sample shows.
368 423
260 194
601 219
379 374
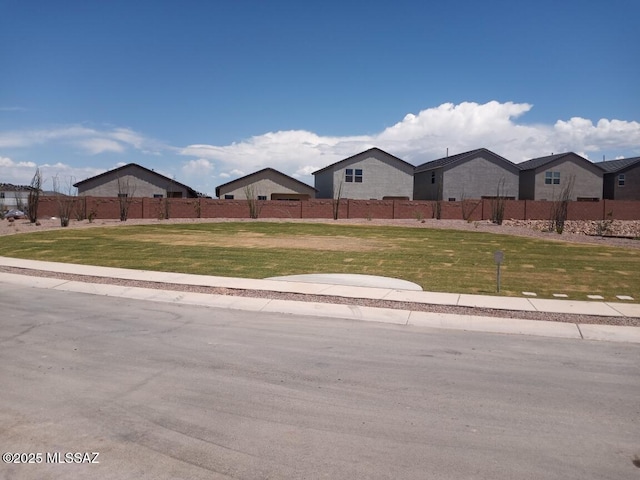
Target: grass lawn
438 260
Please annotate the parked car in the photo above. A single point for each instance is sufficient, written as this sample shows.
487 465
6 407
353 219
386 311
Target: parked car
15 214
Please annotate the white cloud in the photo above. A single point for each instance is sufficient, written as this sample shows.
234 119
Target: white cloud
95 146
90 140
425 136
21 173
416 138
200 166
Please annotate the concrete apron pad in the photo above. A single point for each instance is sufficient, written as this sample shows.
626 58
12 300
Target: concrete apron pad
477 323
610 333
353 280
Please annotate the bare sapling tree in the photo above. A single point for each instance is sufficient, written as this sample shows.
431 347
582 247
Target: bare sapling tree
65 198
337 198
436 206
126 191
498 203
252 201
33 199
467 206
165 212
560 206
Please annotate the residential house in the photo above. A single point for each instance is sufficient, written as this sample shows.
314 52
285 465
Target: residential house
621 179
14 196
470 175
266 184
133 180
546 178
372 174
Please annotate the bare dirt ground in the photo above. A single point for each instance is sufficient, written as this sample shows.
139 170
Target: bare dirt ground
574 233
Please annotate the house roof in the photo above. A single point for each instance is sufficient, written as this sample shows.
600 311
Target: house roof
542 161
135 165
9 187
374 149
613 166
443 162
268 169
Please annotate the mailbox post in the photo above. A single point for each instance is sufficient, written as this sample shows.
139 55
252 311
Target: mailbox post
498 257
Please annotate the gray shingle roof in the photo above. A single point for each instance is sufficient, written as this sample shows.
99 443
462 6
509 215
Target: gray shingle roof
612 166
135 165
268 169
442 162
361 153
540 161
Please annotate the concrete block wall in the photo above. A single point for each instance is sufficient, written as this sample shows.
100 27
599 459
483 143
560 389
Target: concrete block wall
621 209
279 209
413 209
109 207
321 209
370 209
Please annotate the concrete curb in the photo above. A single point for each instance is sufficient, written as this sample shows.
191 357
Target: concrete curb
345 312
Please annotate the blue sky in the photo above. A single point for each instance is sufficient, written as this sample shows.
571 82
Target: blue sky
206 91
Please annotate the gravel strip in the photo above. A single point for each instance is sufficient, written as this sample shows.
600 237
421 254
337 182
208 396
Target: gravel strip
418 307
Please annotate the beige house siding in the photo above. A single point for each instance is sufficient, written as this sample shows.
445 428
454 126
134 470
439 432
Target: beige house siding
134 181
267 183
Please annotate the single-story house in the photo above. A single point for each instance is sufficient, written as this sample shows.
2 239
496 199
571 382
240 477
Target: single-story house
14 196
621 179
370 175
545 178
476 174
266 184
133 180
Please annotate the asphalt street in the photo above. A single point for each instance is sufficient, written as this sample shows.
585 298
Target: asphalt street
167 391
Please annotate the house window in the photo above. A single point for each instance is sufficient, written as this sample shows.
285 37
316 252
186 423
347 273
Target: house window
123 195
262 197
228 197
348 177
433 177
352 175
621 180
552 178
1 194
158 195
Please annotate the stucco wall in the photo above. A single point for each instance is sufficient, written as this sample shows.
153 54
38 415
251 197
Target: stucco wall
474 178
323 182
381 177
13 199
631 188
479 177
135 182
423 189
587 180
265 184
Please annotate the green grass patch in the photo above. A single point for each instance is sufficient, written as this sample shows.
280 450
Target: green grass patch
438 260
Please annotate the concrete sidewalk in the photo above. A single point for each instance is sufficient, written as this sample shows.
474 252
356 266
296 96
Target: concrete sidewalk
401 317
